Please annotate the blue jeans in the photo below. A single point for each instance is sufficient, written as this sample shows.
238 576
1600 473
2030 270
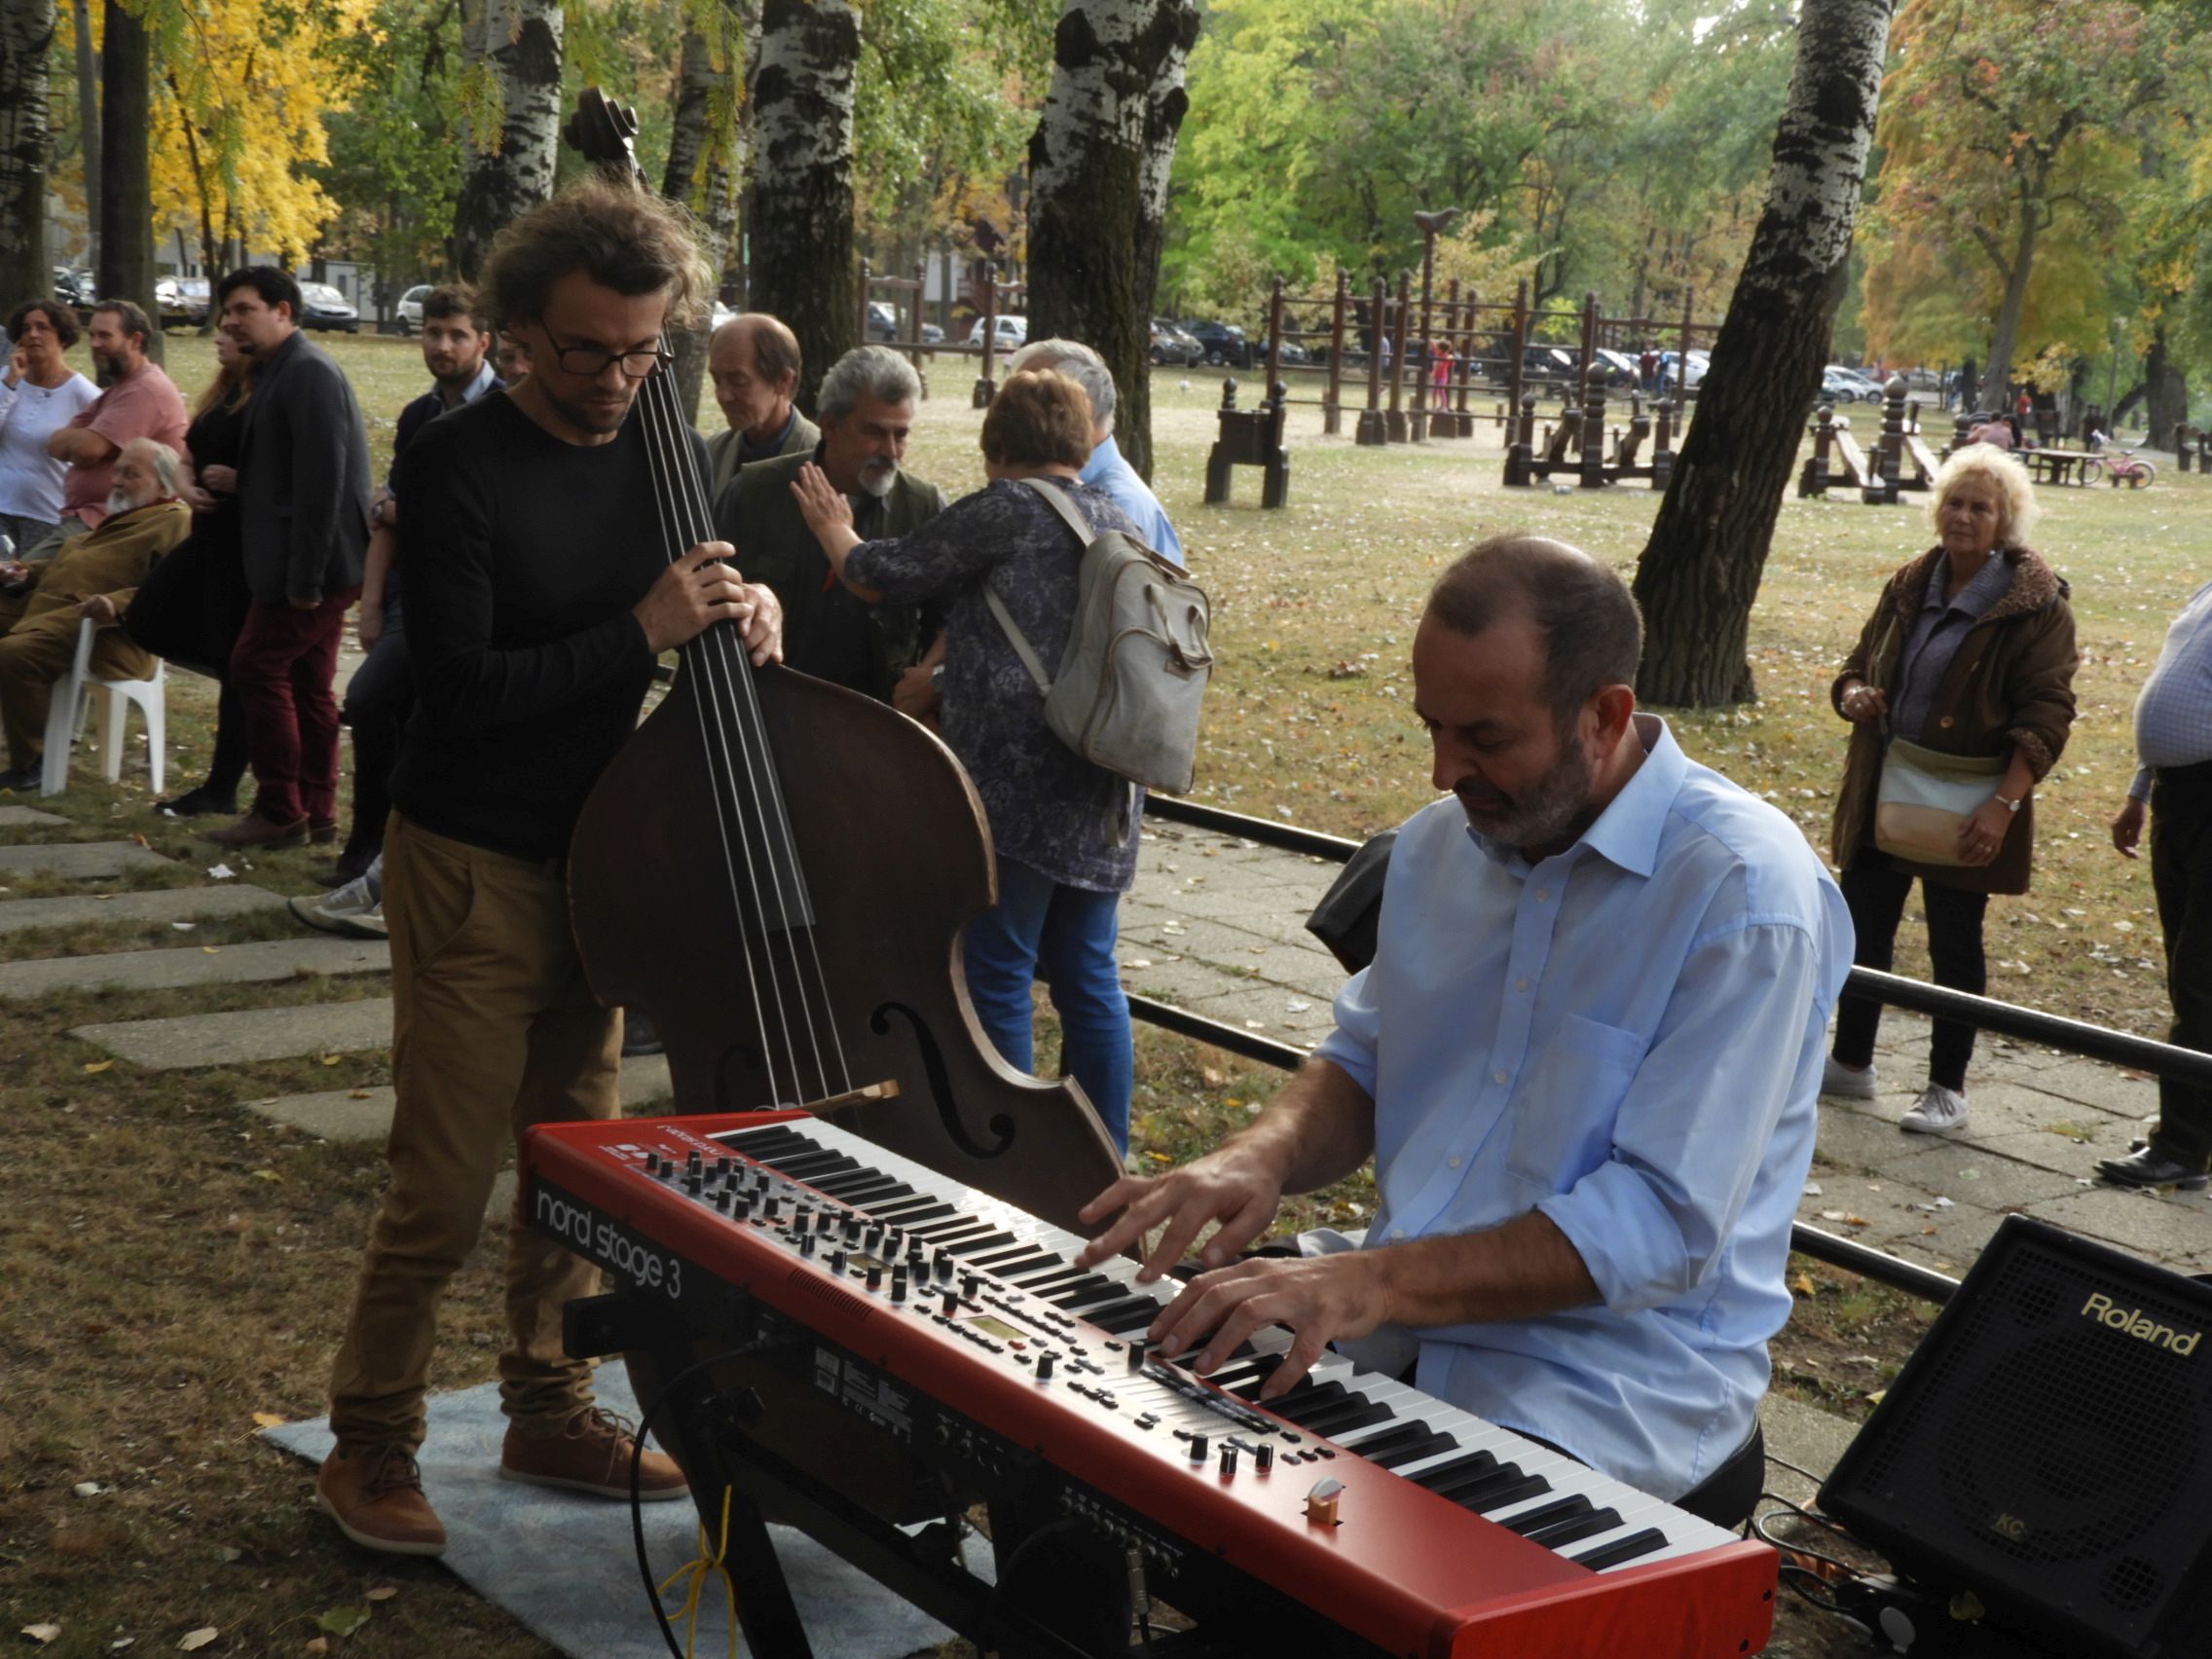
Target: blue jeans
1042 929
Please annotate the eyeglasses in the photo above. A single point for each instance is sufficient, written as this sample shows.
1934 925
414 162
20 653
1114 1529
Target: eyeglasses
589 362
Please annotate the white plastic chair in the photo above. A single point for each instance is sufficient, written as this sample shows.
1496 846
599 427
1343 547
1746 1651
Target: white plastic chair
65 718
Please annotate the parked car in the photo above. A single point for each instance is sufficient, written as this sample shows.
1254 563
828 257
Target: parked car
168 301
1848 386
410 308
1292 355
195 297
1011 332
325 308
1171 345
1224 341
74 287
1548 365
1691 372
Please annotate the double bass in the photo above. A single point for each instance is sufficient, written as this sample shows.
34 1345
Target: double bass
777 873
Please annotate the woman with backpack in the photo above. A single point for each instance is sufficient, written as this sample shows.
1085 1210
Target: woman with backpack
1064 829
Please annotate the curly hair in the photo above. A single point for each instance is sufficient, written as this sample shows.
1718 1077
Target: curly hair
57 314
1039 418
2006 479
620 237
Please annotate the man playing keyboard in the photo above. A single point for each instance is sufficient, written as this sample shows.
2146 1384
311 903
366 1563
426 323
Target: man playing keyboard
1584 1059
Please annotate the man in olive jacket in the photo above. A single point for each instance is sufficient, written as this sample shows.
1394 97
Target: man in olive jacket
303 518
867 406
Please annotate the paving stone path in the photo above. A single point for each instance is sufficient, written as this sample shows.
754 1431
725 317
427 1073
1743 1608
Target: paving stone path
1216 924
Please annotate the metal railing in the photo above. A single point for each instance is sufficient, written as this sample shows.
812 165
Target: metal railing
2031 1025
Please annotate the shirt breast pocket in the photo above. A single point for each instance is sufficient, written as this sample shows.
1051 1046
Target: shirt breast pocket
1564 1109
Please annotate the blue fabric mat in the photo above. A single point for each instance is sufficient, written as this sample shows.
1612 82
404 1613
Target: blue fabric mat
564 1567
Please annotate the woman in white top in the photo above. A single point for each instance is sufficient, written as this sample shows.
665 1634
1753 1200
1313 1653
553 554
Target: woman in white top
39 393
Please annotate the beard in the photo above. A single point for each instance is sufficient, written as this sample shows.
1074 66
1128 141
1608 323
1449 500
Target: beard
1542 813
106 370
121 501
592 417
877 478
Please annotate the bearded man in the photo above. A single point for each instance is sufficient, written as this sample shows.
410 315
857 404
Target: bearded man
1584 1060
91 577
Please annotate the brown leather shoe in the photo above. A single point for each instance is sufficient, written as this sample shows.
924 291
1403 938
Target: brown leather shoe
375 1494
322 835
590 1454
255 830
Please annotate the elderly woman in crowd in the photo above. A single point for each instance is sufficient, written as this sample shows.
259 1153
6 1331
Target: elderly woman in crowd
1961 680
1064 829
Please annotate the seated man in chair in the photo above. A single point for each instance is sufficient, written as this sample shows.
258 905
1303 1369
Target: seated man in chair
93 576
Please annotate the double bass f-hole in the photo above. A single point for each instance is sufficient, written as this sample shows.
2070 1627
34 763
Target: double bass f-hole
940 1084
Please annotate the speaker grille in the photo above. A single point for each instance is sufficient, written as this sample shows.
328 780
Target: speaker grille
2049 1446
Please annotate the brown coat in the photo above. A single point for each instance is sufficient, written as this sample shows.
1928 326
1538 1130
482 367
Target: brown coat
2011 687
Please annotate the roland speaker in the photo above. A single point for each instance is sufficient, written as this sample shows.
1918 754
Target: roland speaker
2049 1447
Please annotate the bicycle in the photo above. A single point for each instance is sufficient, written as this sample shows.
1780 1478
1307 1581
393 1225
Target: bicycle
2122 466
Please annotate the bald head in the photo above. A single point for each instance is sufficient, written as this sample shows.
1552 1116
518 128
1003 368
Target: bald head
754 362
1592 634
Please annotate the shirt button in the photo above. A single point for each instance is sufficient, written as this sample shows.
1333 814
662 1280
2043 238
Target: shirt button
1397 1232
1452 1163
1542 894
1522 984
1946 721
1498 1074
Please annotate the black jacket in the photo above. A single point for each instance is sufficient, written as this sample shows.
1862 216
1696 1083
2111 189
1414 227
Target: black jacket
303 479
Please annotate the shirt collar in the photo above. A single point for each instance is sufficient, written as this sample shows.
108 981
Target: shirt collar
1983 589
1102 457
1626 832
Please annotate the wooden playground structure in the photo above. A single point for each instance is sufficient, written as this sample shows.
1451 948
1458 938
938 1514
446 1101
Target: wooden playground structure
1414 366
904 295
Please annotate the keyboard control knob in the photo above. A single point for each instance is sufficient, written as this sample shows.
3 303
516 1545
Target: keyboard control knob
1044 1367
1136 1356
1198 1448
951 1303
824 1221
1264 1457
875 1278
898 1284
721 1200
691 1164
837 1261
806 1243
769 1206
944 1264
740 1207
852 1227
969 1285
1229 1460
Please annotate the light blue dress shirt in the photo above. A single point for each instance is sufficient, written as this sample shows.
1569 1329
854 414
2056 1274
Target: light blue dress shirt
2173 711
1133 495
1627 1037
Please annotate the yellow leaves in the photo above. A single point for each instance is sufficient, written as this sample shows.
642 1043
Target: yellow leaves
98 1065
269 1419
1803 1285
267 1175
193 1641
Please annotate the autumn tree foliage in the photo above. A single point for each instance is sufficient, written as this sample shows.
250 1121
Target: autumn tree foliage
2012 133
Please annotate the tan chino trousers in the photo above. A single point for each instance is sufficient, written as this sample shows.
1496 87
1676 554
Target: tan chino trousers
494 1029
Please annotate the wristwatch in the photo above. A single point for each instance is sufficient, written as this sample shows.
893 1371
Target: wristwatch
2012 805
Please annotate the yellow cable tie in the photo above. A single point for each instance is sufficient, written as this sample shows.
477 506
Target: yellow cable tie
711 1560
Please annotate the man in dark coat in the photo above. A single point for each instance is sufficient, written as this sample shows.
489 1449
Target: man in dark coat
304 513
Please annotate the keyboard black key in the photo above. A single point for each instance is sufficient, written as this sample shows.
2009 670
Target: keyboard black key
1012 1269
1012 1254
951 1229
768 1134
1531 1520
1403 1444
1075 1298
986 1241
1042 1281
1484 1500
904 1216
1129 1313
1355 1413
1307 1396
1479 1487
822 1166
864 1192
1447 1474
1575 1531
1626 1549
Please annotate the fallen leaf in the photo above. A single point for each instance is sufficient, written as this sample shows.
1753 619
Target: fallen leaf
197 1639
1855 1221
1160 1158
1803 1285
357 1094
98 1065
269 1420
342 1621
42 1633
381 1593
212 949
267 1175
318 1644
88 1488
184 927
1211 1078
330 1059
1877 1396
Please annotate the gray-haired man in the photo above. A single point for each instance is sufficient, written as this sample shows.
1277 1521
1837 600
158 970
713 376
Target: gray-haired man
866 406
1106 467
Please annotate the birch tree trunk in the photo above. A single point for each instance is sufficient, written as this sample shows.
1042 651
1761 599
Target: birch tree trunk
1700 571
511 78
703 160
805 267
1098 168
126 271
26 33
89 128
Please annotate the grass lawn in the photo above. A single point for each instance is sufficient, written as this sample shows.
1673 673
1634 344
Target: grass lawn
174 1265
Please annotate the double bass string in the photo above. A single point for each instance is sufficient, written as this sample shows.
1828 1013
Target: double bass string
736 704
760 777
664 503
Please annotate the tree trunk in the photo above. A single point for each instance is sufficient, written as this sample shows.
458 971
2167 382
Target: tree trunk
1098 166
806 268
2005 335
2165 393
1700 571
26 33
703 163
516 44
126 270
89 128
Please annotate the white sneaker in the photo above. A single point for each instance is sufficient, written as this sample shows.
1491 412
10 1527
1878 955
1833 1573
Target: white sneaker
1845 1083
1939 1111
356 908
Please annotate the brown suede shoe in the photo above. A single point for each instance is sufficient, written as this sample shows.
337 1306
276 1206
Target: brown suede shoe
375 1494
590 1454
255 830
